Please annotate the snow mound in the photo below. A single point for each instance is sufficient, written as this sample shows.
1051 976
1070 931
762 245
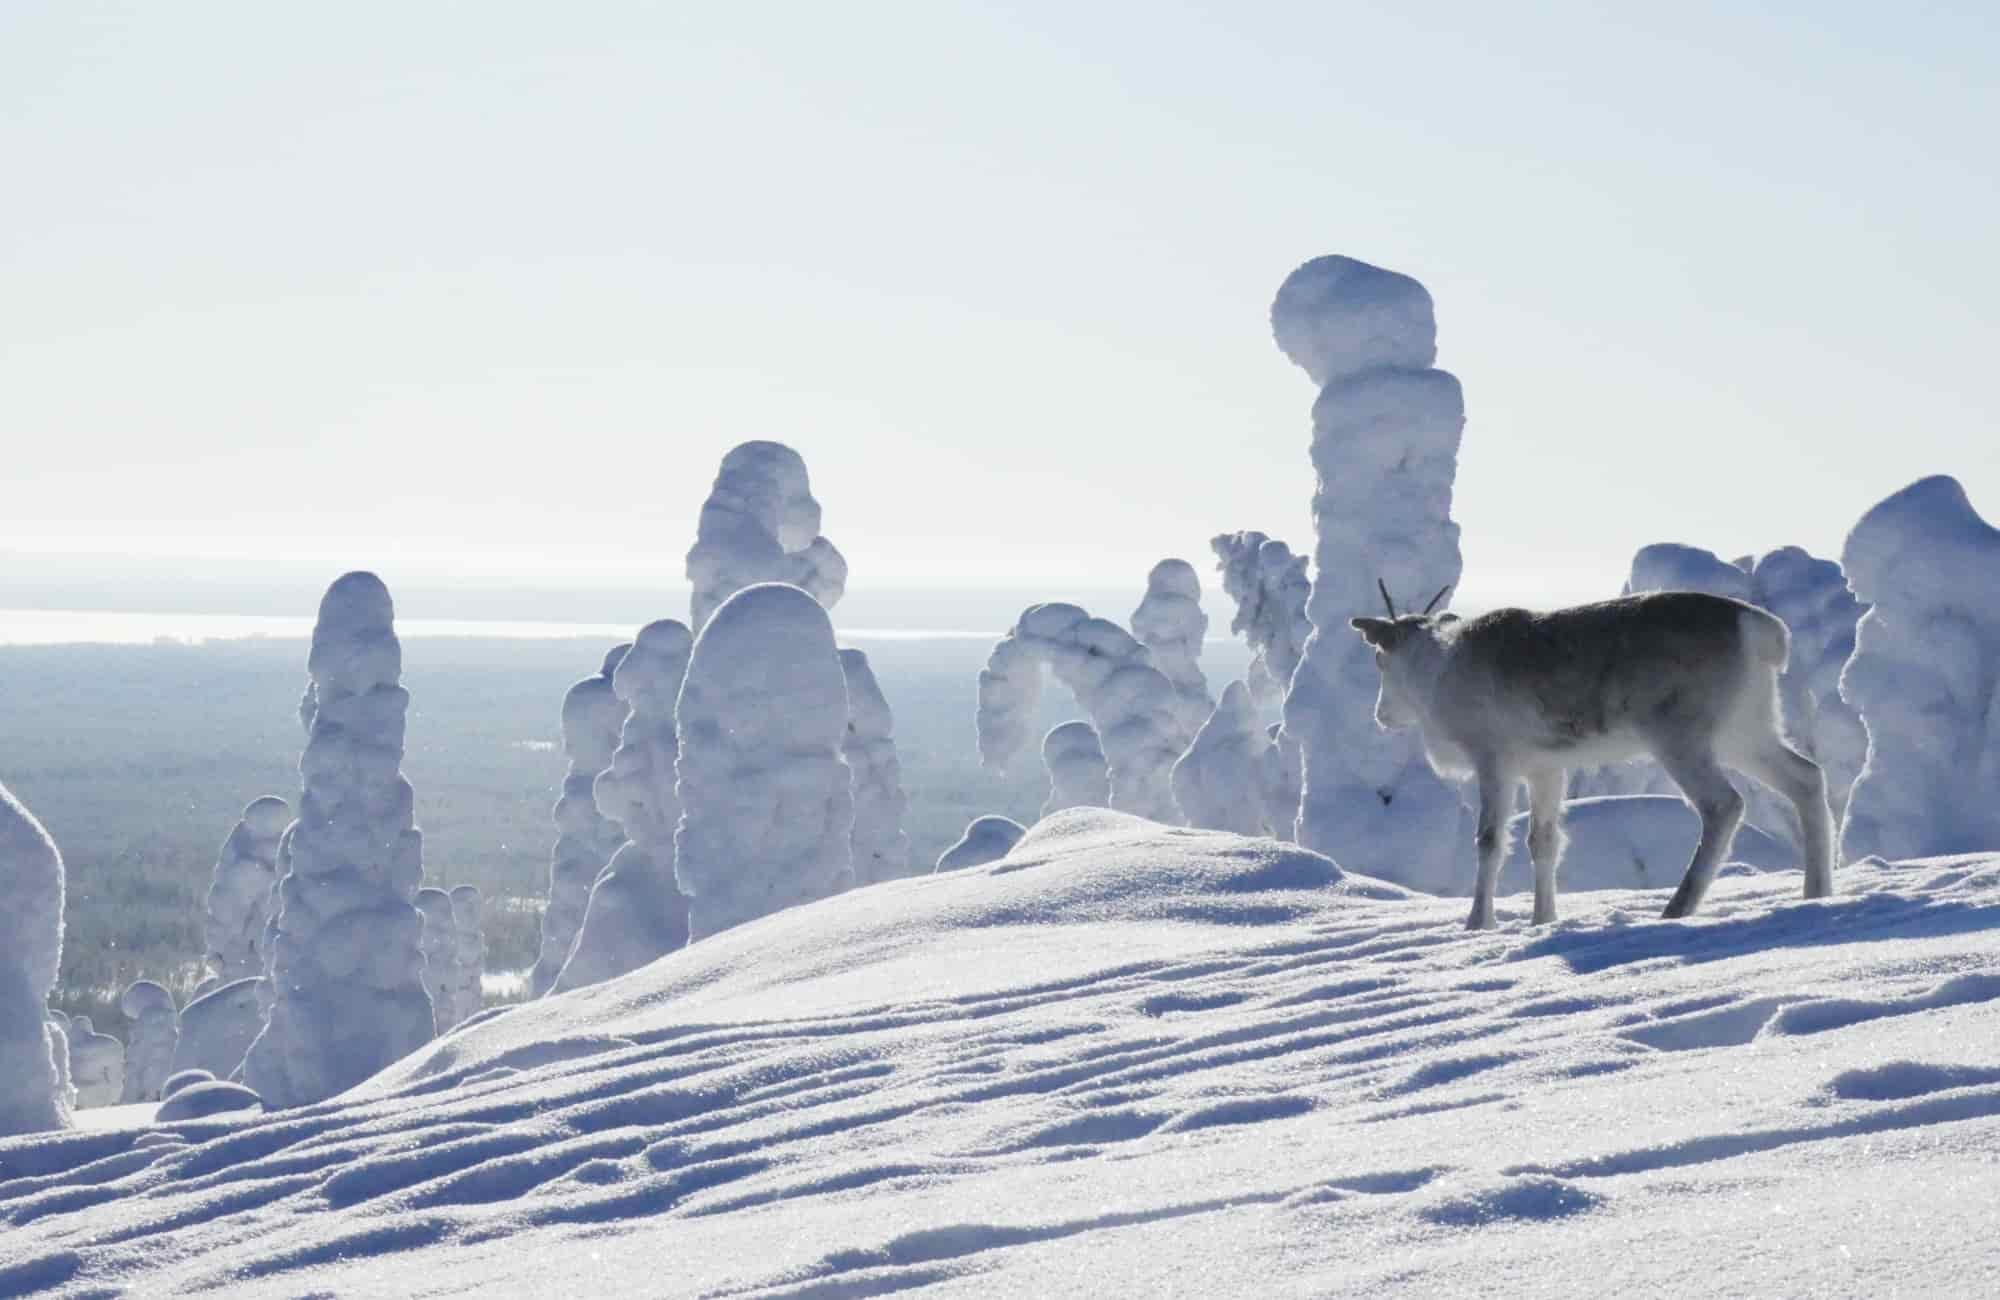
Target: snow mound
1137 1060
1639 841
1925 675
986 839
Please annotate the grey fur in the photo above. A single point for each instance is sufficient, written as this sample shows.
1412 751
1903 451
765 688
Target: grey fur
1515 697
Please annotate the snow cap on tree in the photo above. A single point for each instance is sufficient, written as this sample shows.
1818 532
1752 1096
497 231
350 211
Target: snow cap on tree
1078 776
635 913
346 968
1386 429
881 847
986 839
31 880
592 716
155 1032
1170 624
761 524
767 809
1131 703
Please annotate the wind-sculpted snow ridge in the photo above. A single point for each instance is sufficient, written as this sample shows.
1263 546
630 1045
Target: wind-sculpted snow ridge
592 716
881 848
986 839
1270 588
1078 776
1386 430
239 897
767 802
1132 1060
31 933
346 970
1132 705
635 913
761 524
150 1044
1219 781
1925 675
1171 625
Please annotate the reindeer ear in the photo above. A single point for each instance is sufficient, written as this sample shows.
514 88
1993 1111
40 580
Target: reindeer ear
1378 632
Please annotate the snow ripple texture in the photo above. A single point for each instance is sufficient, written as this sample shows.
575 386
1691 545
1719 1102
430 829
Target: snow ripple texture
1133 1060
346 966
1386 430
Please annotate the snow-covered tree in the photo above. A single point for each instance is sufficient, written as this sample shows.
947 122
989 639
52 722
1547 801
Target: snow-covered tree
468 967
881 847
218 1027
155 1032
761 524
1170 624
1078 776
1218 782
635 914
1270 588
438 942
31 882
1280 778
348 994
1386 430
767 806
592 716
1925 676
1131 703
96 1064
59 1027
239 896
986 839
1813 598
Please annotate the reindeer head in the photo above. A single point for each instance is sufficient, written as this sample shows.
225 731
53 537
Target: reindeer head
1408 654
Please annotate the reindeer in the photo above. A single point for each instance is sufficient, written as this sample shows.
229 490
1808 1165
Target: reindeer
1515 696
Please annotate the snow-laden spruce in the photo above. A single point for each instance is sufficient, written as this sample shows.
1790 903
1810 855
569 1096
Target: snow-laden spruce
1281 780
1219 781
986 839
438 942
1813 598
1131 703
760 523
1078 777
96 1064
880 845
468 965
592 715
1270 588
150 1042
635 914
1925 675
240 895
346 970
59 1027
767 805
1170 624
1386 430
31 934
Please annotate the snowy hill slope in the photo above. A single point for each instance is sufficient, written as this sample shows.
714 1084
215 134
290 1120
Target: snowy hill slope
1133 1060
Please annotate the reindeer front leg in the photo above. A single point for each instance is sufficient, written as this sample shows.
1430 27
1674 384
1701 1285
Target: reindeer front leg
1496 804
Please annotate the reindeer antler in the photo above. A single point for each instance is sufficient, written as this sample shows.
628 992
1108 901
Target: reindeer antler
1435 599
1383 587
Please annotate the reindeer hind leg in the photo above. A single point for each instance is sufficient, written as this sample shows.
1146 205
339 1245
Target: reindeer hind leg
1705 785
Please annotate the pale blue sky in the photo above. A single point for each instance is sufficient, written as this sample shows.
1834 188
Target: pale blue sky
491 287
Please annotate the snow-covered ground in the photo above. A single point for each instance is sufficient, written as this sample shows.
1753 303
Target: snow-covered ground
1131 1060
